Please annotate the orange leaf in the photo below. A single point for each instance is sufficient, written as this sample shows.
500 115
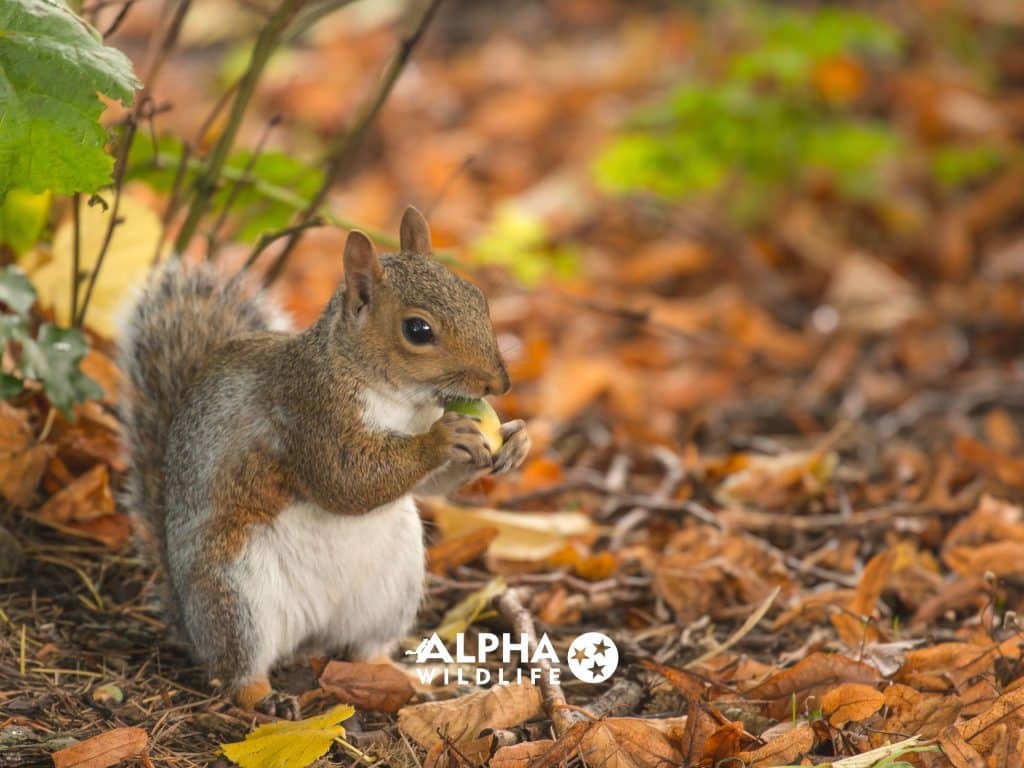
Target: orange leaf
454 551
22 462
103 750
376 687
851 702
785 750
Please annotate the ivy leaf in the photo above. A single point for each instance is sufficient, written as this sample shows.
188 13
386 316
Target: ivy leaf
290 744
16 292
10 386
53 358
52 66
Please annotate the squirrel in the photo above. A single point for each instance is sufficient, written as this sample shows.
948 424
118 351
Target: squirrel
275 471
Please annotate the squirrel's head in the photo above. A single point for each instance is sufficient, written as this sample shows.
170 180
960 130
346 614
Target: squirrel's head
416 323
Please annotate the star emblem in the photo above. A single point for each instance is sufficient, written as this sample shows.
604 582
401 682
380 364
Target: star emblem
602 648
580 655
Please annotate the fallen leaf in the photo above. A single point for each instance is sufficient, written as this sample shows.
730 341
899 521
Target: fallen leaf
958 751
22 460
851 702
522 536
523 755
784 750
773 481
86 508
290 744
810 677
451 552
103 750
460 616
463 719
376 687
626 742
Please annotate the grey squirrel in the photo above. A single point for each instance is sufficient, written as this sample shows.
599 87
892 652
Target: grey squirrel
274 471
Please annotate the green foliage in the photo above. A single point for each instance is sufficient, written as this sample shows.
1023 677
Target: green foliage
956 165
762 124
52 65
51 357
520 243
263 197
23 217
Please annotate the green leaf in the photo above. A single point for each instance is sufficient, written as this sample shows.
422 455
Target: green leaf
22 218
16 291
53 358
52 66
10 386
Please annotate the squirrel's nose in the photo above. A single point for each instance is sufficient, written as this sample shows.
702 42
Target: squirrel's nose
499 384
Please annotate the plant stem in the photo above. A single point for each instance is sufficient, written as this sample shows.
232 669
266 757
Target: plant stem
345 147
206 184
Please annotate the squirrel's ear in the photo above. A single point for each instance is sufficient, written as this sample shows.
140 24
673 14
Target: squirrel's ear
414 234
362 272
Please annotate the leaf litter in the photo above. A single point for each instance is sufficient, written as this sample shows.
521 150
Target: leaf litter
782 590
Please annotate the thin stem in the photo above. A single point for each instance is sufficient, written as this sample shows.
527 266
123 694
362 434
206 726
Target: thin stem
268 238
345 147
76 250
212 243
158 56
206 184
172 198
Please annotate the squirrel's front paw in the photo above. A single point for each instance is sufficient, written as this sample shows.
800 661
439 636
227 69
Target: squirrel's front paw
462 441
515 448
277 704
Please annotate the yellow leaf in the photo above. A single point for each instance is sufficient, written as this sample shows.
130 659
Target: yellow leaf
124 266
461 615
522 536
290 744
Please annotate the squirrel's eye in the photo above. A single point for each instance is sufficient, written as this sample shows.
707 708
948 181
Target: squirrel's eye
417 330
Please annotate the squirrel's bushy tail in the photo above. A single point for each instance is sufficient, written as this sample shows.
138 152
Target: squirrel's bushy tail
181 315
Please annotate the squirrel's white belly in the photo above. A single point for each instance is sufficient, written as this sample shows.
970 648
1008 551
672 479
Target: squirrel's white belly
341 582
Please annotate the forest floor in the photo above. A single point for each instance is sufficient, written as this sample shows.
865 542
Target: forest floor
787 462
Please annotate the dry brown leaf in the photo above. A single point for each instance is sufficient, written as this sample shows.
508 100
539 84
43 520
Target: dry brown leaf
103 750
1008 469
957 751
980 731
784 750
522 536
104 372
685 682
461 720
1002 558
774 481
86 508
725 742
851 702
523 755
810 677
451 552
376 687
22 462
625 742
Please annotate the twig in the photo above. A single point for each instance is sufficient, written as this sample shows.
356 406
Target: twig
172 199
740 633
345 147
236 189
158 56
76 250
206 183
510 605
268 238
121 14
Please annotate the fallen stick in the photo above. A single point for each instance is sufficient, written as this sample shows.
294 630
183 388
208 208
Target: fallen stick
510 604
